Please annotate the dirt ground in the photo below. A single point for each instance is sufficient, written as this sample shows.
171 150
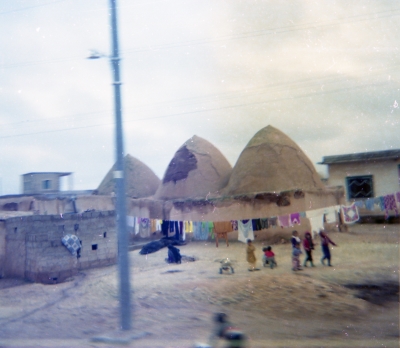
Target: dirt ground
355 303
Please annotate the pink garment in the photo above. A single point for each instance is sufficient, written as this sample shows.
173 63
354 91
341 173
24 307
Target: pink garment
294 219
389 203
398 197
284 221
350 214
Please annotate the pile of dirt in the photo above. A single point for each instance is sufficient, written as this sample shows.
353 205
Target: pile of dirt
140 180
272 162
197 169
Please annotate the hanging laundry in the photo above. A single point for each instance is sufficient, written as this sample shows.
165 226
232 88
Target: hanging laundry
331 213
381 202
72 243
284 221
153 227
176 229
197 230
165 227
136 226
245 229
184 230
398 198
158 225
390 204
294 219
264 224
189 226
370 204
359 204
316 218
130 221
222 226
204 230
350 214
144 228
234 225
254 224
273 222
171 226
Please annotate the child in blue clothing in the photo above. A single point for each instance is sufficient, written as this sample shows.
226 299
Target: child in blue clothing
296 252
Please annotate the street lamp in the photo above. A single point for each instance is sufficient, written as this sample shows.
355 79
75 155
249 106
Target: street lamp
123 257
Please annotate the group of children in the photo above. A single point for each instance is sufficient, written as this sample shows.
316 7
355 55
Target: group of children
308 246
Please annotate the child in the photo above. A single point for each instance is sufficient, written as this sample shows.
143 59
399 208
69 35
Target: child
295 238
269 257
325 241
250 256
308 246
296 258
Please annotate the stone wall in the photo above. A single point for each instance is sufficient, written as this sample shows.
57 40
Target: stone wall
33 248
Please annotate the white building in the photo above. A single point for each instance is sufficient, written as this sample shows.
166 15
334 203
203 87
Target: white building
365 175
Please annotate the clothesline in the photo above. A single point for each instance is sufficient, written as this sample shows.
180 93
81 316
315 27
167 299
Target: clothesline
203 229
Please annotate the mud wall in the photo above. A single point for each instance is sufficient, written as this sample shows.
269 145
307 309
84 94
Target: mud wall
34 250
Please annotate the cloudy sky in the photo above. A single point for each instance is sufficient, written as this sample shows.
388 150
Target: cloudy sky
326 73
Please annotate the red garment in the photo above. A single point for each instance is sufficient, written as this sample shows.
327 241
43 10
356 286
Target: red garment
269 253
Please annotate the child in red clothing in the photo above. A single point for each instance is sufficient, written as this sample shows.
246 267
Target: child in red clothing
308 246
269 257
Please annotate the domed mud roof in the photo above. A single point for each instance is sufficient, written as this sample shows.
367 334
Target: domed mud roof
140 180
197 169
272 162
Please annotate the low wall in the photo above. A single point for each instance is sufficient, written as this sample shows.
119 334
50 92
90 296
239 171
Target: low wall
34 249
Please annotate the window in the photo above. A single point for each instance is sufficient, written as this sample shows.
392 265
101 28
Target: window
360 186
46 184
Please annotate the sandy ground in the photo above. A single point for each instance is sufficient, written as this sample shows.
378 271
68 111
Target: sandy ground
172 305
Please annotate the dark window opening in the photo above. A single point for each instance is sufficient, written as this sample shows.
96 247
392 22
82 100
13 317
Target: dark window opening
76 227
15 229
46 184
105 234
94 246
360 187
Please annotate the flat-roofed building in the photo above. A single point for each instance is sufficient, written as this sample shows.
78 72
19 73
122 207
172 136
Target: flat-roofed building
365 175
42 182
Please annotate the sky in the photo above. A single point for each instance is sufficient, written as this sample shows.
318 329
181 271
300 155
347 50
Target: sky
327 74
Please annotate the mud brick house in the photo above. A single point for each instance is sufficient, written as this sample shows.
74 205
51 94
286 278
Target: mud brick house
31 247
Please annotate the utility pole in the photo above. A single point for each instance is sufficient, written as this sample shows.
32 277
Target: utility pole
123 257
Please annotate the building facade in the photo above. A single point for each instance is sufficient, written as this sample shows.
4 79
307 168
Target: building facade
365 175
42 182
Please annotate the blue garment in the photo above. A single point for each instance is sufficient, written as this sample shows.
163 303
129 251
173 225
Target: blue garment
165 227
370 204
327 253
177 231
197 230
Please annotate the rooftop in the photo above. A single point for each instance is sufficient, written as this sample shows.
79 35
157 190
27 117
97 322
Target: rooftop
58 173
362 157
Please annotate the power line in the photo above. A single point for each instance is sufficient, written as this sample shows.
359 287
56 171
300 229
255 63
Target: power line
31 7
202 110
277 30
293 85
264 32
